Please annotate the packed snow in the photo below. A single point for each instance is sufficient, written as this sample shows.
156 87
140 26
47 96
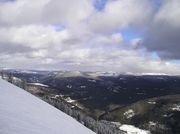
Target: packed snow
129 129
130 113
151 123
69 86
39 84
151 102
175 107
92 80
69 100
23 113
82 86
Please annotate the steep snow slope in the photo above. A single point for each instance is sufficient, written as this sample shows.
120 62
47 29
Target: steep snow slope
23 113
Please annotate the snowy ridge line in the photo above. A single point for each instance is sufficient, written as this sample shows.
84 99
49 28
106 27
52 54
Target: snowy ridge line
38 84
23 113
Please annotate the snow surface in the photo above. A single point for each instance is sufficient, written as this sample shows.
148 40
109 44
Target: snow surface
175 107
129 129
23 113
39 84
151 102
130 113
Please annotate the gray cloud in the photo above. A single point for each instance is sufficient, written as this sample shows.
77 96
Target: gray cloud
8 48
26 12
89 40
120 14
163 36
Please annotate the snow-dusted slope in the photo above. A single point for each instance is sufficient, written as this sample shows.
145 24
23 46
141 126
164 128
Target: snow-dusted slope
23 113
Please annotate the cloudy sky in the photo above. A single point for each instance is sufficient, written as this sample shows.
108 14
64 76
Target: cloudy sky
136 36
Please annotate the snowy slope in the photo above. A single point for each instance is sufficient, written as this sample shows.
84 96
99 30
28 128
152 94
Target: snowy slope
23 113
133 130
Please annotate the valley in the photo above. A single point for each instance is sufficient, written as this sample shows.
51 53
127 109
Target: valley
149 102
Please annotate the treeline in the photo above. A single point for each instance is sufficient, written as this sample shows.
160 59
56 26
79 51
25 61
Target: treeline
14 80
98 126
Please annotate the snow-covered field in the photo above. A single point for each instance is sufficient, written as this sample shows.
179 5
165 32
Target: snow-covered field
23 113
39 84
129 129
130 113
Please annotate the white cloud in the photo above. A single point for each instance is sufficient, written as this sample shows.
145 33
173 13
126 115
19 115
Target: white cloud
32 36
163 34
39 53
169 13
93 60
121 14
89 40
21 12
65 12
113 39
136 42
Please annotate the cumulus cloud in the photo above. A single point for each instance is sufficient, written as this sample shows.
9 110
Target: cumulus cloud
31 36
93 60
119 14
68 12
113 39
136 42
163 35
74 35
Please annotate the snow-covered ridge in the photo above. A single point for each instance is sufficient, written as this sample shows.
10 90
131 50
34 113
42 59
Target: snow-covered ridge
38 84
129 129
23 113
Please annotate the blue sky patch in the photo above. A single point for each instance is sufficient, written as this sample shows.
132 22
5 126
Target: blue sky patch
175 61
100 4
154 55
129 34
59 27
